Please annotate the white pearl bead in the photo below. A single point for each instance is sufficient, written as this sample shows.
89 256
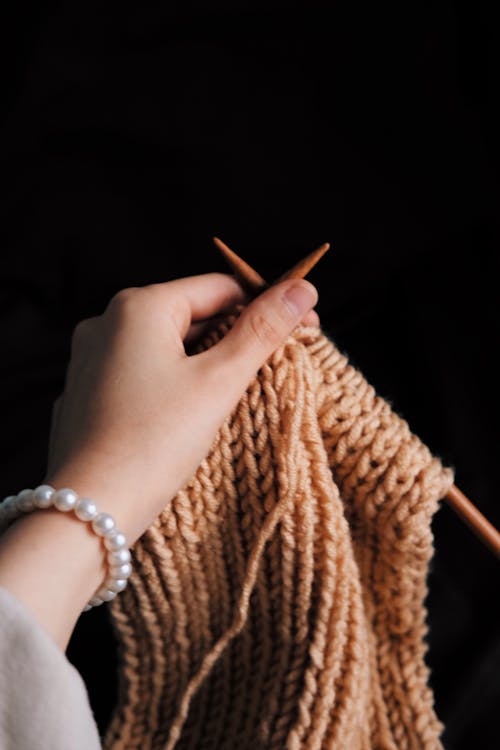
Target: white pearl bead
43 496
86 509
65 499
121 571
103 523
8 510
25 500
115 540
9 506
116 584
106 595
119 556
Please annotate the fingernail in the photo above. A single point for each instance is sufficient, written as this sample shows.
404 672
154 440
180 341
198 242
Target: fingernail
300 297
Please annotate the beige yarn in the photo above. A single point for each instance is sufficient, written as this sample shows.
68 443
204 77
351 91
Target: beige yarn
278 600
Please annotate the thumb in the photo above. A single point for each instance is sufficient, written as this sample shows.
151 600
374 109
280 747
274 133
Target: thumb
262 326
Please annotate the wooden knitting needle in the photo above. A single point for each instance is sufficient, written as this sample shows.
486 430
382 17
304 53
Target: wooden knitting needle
455 498
253 281
474 519
250 279
302 268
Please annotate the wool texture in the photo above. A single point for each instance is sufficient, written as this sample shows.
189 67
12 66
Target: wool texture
278 601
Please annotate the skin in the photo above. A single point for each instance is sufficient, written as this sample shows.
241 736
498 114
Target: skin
135 419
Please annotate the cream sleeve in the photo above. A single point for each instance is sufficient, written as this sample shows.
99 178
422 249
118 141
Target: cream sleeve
44 703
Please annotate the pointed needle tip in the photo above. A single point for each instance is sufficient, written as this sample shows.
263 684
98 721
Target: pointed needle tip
218 242
245 273
302 268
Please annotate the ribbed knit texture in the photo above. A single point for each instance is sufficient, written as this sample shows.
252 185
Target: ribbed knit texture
278 600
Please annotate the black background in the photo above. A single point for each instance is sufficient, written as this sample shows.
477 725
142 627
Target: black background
131 136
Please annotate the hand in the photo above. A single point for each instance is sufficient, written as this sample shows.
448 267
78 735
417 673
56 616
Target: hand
137 414
136 417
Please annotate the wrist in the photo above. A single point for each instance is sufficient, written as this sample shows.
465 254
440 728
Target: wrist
53 563
112 492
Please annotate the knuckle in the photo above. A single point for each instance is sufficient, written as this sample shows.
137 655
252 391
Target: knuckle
123 298
125 304
265 331
82 328
142 305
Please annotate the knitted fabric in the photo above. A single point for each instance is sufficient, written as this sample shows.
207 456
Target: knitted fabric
278 600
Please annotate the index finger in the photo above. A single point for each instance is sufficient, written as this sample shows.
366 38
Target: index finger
194 298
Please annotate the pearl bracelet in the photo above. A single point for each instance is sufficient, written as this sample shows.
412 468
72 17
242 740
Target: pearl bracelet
85 509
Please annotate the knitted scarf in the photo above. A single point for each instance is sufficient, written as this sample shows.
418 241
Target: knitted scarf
278 600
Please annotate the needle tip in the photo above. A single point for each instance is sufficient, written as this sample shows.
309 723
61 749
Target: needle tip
302 268
245 273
